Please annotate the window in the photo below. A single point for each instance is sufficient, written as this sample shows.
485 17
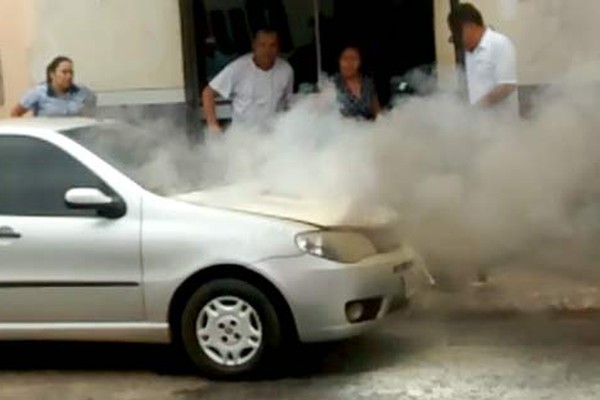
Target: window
228 28
35 175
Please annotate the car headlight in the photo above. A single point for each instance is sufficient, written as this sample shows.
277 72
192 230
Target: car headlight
340 246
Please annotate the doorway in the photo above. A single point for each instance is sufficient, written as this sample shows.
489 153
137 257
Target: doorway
396 36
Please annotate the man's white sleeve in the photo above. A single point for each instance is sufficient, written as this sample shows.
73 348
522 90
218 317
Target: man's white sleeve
506 64
224 82
289 89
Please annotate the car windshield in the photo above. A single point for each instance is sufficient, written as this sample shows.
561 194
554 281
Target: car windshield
141 154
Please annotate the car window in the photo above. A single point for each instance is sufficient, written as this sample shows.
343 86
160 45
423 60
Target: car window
35 175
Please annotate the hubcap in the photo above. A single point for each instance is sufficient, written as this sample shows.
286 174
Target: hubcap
229 331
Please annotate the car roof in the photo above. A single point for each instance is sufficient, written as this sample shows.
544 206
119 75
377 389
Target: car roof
52 124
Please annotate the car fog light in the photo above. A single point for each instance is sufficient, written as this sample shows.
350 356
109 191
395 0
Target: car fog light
363 310
355 311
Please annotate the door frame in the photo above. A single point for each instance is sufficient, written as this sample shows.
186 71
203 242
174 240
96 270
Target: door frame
190 12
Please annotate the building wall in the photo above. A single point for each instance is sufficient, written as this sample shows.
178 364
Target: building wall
15 46
128 51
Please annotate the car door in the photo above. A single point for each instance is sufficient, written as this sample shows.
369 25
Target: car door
56 263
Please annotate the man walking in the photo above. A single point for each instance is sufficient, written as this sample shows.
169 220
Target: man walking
490 61
259 84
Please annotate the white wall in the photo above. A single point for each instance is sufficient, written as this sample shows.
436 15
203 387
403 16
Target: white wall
117 45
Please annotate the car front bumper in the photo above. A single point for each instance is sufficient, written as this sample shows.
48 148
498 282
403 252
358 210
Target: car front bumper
319 291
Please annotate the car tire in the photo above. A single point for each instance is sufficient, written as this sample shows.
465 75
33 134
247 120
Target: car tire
230 329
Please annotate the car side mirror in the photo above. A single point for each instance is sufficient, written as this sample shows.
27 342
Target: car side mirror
95 199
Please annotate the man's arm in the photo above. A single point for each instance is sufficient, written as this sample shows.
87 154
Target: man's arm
497 95
505 74
223 84
289 90
210 108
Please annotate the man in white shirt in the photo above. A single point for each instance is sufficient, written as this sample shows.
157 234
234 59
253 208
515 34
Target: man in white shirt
490 61
260 84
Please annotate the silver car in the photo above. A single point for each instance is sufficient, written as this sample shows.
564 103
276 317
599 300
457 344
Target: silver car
231 275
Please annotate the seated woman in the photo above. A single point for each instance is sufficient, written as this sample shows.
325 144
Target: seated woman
58 96
355 92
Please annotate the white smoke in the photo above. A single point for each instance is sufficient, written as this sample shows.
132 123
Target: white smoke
472 189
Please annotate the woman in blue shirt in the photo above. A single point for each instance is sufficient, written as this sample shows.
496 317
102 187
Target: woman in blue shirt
58 96
355 92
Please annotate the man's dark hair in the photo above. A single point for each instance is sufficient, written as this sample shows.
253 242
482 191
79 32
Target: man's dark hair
465 13
266 31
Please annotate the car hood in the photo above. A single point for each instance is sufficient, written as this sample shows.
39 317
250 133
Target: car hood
320 212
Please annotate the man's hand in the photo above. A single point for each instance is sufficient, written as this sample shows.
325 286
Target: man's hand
214 129
497 95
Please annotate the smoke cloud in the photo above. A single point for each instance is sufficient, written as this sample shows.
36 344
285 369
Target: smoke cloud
472 189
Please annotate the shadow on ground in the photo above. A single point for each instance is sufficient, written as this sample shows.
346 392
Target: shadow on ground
348 357
313 371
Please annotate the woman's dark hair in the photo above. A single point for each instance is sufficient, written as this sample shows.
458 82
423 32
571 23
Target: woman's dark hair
54 65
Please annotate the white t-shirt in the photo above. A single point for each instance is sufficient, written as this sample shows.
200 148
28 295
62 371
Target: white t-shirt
492 63
256 94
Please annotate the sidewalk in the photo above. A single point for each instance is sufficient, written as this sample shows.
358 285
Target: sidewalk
513 292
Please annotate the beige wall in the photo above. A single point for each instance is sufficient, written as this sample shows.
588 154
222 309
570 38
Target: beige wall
15 44
117 45
444 50
555 39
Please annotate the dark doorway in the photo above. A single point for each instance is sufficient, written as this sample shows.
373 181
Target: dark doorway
396 36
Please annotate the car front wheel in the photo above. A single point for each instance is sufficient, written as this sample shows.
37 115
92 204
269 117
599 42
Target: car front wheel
230 329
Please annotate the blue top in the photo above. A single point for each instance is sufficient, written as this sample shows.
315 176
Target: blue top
352 106
44 102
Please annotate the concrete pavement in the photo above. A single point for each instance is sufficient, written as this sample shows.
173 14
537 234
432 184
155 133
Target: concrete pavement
517 359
